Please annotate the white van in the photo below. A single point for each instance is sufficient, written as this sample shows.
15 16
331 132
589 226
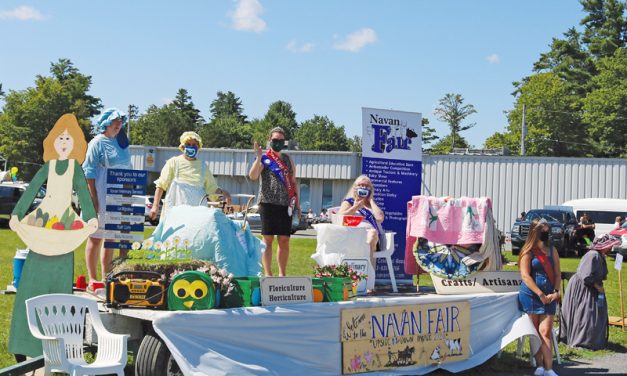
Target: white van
602 211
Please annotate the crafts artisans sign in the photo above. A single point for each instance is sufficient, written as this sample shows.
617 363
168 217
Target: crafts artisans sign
286 290
482 282
407 335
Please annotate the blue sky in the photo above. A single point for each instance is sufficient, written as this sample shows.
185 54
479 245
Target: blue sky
324 57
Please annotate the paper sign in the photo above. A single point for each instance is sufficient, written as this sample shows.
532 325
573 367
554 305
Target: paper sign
482 282
119 218
121 200
359 265
286 290
407 335
114 235
618 264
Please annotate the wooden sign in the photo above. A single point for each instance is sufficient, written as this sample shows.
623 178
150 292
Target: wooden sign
482 282
286 290
379 338
124 219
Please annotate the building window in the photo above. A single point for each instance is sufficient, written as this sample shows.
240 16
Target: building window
305 200
327 194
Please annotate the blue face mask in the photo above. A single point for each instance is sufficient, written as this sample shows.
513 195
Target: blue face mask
191 151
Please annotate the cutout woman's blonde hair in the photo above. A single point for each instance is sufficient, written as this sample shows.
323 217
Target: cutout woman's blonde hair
70 123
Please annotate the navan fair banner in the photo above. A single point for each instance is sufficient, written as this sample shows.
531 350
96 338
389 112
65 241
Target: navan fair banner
392 158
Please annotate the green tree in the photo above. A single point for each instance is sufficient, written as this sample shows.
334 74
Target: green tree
227 105
498 140
452 110
354 144
605 107
160 126
281 114
1 91
605 26
444 146
29 114
227 132
428 134
183 103
320 133
552 117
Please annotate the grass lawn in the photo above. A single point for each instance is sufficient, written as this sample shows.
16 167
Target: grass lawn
301 264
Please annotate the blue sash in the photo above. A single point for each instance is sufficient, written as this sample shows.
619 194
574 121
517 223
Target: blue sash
366 213
273 162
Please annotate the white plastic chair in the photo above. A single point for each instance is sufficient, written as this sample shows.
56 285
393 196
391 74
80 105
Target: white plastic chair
387 255
62 318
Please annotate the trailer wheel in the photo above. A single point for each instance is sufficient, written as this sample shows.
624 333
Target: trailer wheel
154 358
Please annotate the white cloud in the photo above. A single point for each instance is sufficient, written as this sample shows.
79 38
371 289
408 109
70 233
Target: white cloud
493 59
303 48
247 16
357 40
22 13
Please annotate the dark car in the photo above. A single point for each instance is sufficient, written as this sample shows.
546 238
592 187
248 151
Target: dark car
563 230
10 193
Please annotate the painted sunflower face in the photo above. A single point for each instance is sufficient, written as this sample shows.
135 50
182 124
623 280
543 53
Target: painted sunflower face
191 291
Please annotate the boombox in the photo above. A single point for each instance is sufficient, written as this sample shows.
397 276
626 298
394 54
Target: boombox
137 289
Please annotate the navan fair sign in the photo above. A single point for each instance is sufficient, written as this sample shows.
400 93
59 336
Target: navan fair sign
392 158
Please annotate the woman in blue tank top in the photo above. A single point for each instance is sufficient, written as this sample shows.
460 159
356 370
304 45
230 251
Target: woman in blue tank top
540 271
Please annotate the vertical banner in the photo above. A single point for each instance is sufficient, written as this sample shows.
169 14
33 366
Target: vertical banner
124 217
392 158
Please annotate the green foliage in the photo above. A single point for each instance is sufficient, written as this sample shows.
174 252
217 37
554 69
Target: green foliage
605 107
183 103
320 133
452 110
575 100
428 134
499 140
444 146
354 144
227 105
161 126
226 132
280 114
28 115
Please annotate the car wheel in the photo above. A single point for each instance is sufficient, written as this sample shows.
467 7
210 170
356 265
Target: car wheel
154 222
515 251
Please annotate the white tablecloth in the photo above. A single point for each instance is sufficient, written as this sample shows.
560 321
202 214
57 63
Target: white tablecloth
304 339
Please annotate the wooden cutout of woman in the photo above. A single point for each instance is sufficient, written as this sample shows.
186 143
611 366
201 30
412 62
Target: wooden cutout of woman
53 230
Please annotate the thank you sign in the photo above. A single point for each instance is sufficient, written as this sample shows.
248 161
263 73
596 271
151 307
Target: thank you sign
286 290
397 336
392 158
124 217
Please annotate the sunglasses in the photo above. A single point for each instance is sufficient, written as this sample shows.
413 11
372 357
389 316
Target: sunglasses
277 139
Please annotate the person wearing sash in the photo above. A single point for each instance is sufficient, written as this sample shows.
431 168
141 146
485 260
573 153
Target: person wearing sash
538 294
360 201
186 179
278 198
109 149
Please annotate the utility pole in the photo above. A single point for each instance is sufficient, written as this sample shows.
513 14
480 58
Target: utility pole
128 126
523 135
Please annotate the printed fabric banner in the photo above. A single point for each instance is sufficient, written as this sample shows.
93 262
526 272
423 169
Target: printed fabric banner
392 158
398 336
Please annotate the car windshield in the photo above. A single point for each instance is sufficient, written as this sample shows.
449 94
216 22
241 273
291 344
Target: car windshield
547 215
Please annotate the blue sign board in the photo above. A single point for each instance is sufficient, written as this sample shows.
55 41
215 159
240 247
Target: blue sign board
126 209
124 227
131 177
125 191
392 159
118 245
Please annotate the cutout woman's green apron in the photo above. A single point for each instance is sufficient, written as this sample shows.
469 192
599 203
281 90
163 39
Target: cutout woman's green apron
52 231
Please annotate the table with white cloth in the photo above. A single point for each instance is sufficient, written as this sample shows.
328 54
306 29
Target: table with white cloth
305 339
334 243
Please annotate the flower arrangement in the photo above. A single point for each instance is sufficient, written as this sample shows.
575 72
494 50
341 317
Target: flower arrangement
220 277
339 271
175 249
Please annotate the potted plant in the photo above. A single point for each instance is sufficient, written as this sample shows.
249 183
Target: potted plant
338 282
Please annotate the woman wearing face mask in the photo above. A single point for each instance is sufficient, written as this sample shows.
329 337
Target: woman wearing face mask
538 294
109 149
360 201
186 179
278 198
